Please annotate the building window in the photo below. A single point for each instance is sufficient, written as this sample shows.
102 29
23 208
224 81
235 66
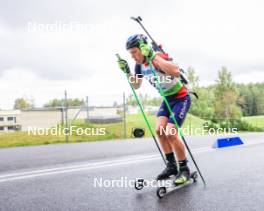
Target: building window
10 118
11 128
2 128
1 118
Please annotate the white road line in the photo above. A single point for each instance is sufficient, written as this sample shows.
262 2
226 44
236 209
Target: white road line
94 165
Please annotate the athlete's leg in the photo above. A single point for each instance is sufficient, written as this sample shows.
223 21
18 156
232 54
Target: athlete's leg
175 141
171 168
161 133
180 110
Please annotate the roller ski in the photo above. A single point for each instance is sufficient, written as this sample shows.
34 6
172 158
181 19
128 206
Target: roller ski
170 179
169 171
175 182
169 184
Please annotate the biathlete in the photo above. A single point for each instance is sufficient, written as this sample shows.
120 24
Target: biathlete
176 94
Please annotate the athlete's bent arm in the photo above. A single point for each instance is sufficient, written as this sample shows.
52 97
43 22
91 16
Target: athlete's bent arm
167 66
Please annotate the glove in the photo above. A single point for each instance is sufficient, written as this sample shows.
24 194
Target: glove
147 51
123 65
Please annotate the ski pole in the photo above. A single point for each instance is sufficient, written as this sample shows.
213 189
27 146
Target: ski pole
143 114
154 43
174 120
157 47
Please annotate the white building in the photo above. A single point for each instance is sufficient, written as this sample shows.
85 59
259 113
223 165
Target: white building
12 120
9 120
148 109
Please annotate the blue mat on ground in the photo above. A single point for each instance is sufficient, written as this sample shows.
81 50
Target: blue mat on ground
227 142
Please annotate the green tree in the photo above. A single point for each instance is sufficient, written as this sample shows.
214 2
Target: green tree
60 102
226 97
192 78
22 103
251 99
202 107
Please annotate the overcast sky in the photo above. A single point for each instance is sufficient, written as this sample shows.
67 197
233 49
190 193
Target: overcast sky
39 59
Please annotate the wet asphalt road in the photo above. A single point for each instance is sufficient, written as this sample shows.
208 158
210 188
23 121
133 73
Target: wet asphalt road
62 177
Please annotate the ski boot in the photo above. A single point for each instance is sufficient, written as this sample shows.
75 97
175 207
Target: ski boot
183 176
171 169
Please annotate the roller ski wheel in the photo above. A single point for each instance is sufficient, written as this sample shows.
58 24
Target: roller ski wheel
194 176
139 184
161 192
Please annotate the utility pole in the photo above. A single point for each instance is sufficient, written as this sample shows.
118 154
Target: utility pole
124 119
66 116
87 109
62 114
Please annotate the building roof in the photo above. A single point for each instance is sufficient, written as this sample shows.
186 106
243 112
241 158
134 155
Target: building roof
9 112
